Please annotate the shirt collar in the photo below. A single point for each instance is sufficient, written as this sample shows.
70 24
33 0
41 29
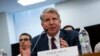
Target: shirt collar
56 36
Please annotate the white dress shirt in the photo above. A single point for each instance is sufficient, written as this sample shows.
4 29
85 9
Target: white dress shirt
57 40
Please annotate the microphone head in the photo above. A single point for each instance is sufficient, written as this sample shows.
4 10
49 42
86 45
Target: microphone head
46 30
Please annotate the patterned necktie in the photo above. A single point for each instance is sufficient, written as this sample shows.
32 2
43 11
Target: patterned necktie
53 45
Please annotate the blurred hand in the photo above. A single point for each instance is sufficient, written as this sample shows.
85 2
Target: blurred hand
25 52
63 43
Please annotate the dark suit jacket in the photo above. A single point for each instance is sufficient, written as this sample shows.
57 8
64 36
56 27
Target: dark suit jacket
70 36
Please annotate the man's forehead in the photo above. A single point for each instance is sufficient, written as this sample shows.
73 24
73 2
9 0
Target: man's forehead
24 36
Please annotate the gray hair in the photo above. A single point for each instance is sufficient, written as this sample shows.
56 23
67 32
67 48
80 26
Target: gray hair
49 10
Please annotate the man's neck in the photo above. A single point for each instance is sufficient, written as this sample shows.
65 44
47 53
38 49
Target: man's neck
26 48
53 35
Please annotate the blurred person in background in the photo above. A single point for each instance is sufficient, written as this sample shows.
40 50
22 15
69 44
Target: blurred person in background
25 44
68 27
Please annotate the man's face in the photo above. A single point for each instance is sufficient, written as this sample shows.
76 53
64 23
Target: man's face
24 41
51 22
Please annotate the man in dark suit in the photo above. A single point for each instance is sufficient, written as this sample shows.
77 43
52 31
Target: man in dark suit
51 23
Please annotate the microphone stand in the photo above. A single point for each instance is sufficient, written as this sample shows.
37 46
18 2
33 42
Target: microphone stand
37 41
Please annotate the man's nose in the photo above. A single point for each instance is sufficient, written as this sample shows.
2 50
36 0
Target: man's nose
51 21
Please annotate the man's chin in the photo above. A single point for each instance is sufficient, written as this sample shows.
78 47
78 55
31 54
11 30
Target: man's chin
52 32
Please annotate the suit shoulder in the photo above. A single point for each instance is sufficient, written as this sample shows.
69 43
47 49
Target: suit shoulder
72 33
35 38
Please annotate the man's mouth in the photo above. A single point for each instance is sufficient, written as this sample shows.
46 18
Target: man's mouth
52 28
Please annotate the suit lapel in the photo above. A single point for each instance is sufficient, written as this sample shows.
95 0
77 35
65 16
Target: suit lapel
44 43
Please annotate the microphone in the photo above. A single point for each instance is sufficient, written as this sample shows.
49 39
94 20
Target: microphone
38 40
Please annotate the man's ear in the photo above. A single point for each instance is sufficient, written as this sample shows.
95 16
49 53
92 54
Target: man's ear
60 21
41 24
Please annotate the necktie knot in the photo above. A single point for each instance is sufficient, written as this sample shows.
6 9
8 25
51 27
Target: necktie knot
53 39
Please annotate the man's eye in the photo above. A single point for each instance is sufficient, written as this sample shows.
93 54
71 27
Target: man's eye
20 40
47 20
54 18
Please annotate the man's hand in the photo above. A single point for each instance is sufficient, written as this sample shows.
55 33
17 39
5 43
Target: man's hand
63 43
